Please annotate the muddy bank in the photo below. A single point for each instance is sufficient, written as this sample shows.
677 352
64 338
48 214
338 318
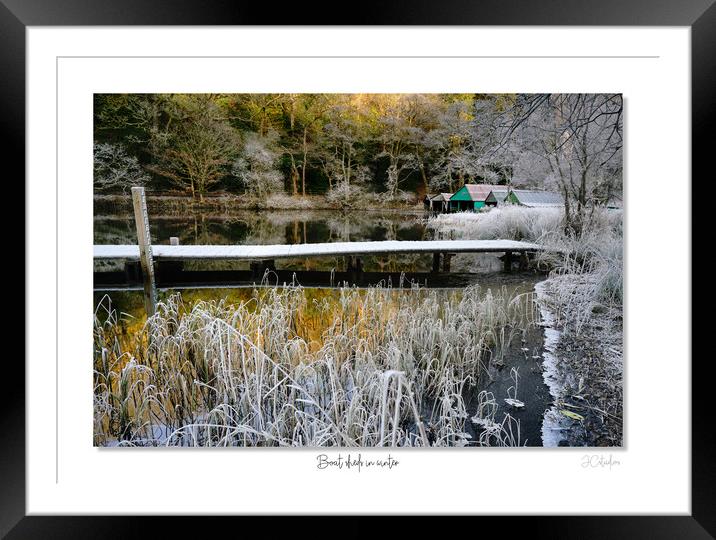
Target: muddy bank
583 370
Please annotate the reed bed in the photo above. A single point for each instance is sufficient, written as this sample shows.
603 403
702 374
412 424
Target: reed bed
352 368
583 294
585 269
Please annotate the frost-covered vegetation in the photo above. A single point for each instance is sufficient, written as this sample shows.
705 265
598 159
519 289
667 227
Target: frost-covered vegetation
583 293
347 367
360 149
506 222
595 253
114 169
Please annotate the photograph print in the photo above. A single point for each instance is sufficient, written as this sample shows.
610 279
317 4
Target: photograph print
358 270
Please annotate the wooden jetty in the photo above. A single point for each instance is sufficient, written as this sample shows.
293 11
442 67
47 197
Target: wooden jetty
332 249
169 259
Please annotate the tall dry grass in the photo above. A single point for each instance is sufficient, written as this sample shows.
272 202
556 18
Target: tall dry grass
583 294
585 268
365 368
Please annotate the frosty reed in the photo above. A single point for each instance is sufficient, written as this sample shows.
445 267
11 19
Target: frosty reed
292 367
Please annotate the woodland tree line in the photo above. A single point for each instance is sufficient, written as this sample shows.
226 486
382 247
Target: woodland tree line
345 145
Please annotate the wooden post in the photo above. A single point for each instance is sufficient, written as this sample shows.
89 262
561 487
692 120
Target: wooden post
169 270
436 262
141 220
354 267
258 268
446 261
524 261
131 272
508 261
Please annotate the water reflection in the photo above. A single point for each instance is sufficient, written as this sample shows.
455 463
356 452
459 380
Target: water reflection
292 227
267 228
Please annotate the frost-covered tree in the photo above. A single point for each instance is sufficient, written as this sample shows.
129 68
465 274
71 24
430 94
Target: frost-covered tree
306 115
341 141
256 166
573 140
452 162
400 134
114 169
570 143
195 146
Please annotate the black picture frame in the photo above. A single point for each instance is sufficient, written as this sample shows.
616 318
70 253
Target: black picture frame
699 15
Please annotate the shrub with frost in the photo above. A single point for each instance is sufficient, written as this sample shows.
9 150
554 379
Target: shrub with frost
114 169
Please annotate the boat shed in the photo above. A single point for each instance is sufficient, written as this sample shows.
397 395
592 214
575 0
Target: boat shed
471 197
535 199
497 197
440 202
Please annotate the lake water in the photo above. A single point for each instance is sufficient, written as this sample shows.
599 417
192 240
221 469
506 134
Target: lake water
293 227
273 227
